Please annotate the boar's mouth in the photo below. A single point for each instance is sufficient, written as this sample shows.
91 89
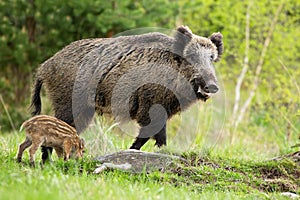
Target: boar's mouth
201 94
202 91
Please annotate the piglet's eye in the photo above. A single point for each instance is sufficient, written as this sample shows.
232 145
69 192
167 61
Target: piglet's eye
211 57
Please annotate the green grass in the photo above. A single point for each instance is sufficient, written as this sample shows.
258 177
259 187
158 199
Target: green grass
227 171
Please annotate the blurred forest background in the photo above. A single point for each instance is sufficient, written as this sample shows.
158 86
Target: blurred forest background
259 68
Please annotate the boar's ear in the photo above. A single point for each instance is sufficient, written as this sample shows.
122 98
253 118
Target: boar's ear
216 38
182 37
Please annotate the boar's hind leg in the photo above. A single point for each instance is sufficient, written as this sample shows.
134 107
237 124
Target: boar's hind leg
22 147
46 153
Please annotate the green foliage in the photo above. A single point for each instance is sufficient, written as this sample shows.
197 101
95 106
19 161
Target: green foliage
32 31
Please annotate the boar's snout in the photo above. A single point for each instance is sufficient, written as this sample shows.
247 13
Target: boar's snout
211 88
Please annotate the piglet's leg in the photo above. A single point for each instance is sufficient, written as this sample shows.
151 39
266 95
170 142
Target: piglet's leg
36 143
22 147
67 149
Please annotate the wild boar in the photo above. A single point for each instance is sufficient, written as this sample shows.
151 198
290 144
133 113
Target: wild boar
147 78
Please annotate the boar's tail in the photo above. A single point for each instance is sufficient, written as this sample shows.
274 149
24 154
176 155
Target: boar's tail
36 104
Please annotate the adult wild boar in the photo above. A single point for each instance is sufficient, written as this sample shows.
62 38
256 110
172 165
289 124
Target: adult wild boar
147 77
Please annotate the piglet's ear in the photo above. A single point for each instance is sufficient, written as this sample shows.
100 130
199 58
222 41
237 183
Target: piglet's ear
183 36
216 38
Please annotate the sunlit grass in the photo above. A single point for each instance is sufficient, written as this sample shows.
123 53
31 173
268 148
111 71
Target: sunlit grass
74 179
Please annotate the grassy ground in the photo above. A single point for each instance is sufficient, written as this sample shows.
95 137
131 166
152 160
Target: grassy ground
213 172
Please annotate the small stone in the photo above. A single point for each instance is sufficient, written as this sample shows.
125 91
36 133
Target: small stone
290 195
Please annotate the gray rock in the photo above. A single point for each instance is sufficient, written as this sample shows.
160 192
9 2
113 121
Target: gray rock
137 161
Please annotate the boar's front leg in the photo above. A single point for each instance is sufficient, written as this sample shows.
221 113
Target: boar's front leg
139 142
144 136
161 137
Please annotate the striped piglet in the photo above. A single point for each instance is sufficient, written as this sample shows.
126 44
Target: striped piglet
48 131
